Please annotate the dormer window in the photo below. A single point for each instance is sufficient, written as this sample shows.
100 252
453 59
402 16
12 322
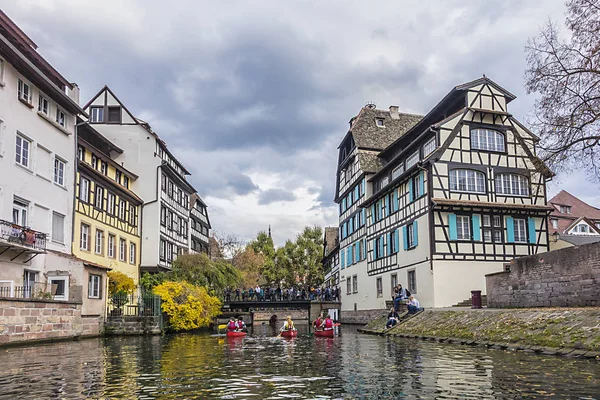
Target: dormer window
565 209
114 115
380 122
97 114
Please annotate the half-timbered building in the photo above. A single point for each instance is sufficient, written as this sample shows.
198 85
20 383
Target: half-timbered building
454 198
107 226
331 256
199 225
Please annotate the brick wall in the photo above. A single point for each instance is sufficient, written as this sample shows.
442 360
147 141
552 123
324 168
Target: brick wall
23 320
560 278
360 317
132 325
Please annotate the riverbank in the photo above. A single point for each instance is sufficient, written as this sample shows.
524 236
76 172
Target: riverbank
562 331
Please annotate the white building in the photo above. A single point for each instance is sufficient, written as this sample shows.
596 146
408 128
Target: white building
38 110
161 183
451 197
199 225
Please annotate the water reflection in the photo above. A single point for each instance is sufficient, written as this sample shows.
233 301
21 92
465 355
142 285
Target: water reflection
264 366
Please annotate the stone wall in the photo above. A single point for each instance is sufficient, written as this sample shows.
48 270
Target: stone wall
360 317
297 315
26 320
133 325
560 278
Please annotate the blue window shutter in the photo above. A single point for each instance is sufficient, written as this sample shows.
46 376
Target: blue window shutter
410 190
422 183
355 255
364 254
372 214
452 225
379 208
476 228
416 233
364 186
388 244
356 193
397 239
343 259
349 255
381 252
343 204
364 216
531 226
374 249
510 230
395 200
405 237
387 205
351 225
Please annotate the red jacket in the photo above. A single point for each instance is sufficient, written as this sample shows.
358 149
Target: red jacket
232 325
328 323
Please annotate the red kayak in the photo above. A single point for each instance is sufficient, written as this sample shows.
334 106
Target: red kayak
236 334
292 333
329 333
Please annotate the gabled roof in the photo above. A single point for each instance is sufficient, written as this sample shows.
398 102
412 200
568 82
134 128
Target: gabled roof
592 226
369 161
367 135
579 208
579 240
331 240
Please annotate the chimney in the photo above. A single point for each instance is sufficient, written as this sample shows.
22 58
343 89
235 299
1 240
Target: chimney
74 93
394 112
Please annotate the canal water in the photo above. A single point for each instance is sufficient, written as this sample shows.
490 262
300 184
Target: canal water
261 366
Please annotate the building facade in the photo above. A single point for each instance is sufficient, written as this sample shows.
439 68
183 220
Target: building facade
331 256
161 183
38 117
199 225
572 221
107 226
452 198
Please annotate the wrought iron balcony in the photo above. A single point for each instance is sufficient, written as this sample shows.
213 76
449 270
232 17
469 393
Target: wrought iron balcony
21 239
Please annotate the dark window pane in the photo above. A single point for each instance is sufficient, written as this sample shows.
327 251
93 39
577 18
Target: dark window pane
114 114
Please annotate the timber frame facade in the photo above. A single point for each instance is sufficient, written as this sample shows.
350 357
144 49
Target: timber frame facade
453 198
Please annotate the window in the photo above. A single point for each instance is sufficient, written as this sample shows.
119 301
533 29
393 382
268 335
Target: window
512 184
84 238
22 151
410 228
416 183
103 167
163 215
384 181
80 153
170 185
429 147
97 114
43 105
24 91
126 182
94 288
29 280
163 182
394 281
380 122
122 249
111 246
94 161
565 209
99 245
379 287
132 253
582 228
354 284
110 206
169 252
132 216
348 286
99 197
169 219
554 223
463 227
396 172
118 176
84 190
122 210
487 140
114 115
412 160
59 171
19 215
58 227
492 233
62 287
162 249
412 281
467 180
520 230
60 118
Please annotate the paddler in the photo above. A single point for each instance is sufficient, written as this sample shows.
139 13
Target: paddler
327 324
288 325
232 325
317 323
241 325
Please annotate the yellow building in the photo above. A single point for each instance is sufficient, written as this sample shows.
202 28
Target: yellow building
107 226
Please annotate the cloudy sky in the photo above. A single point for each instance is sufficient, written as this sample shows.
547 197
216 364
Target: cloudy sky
254 99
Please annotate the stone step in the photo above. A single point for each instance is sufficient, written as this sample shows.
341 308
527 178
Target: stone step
467 302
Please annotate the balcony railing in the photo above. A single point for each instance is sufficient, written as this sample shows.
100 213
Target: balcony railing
22 236
36 290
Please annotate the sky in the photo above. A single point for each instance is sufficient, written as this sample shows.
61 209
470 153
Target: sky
254 97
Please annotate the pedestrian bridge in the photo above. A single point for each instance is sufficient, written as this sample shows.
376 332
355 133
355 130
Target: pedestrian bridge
311 307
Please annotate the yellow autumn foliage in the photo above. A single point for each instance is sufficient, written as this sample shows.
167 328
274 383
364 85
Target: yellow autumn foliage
188 306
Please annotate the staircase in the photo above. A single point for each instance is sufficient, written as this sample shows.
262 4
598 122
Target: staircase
467 302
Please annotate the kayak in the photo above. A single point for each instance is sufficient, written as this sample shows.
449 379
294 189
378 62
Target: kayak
329 333
235 334
292 333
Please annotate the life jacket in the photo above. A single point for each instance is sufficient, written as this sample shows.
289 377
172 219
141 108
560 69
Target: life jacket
240 324
328 323
318 322
232 326
290 325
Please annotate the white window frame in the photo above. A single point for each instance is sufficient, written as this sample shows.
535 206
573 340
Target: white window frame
23 151
122 250
54 234
94 286
84 237
512 185
43 105
99 197
379 286
380 122
111 245
487 140
84 189
354 284
412 160
412 286
554 222
65 296
61 117
60 166
110 203
99 242
122 206
22 87
520 230
467 181
463 227
429 147
396 172
95 112
21 206
132 253
410 229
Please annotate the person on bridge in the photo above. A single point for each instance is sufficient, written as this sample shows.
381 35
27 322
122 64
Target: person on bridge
317 322
327 324
288 325
232 325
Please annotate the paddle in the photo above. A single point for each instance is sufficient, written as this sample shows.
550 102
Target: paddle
222 326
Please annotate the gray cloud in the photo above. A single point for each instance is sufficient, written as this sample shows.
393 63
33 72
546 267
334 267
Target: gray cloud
275 195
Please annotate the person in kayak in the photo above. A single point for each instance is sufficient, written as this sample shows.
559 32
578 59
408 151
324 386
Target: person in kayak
232 325
241 325
317 323
288 324
327 324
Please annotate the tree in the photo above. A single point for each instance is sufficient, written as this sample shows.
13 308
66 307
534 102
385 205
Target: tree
566 74
299 262
263 245
120 284
249 263
200 270
224 245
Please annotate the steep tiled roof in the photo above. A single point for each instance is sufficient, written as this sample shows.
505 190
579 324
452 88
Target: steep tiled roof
578 209
331 239
578 240
369 161
368 135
